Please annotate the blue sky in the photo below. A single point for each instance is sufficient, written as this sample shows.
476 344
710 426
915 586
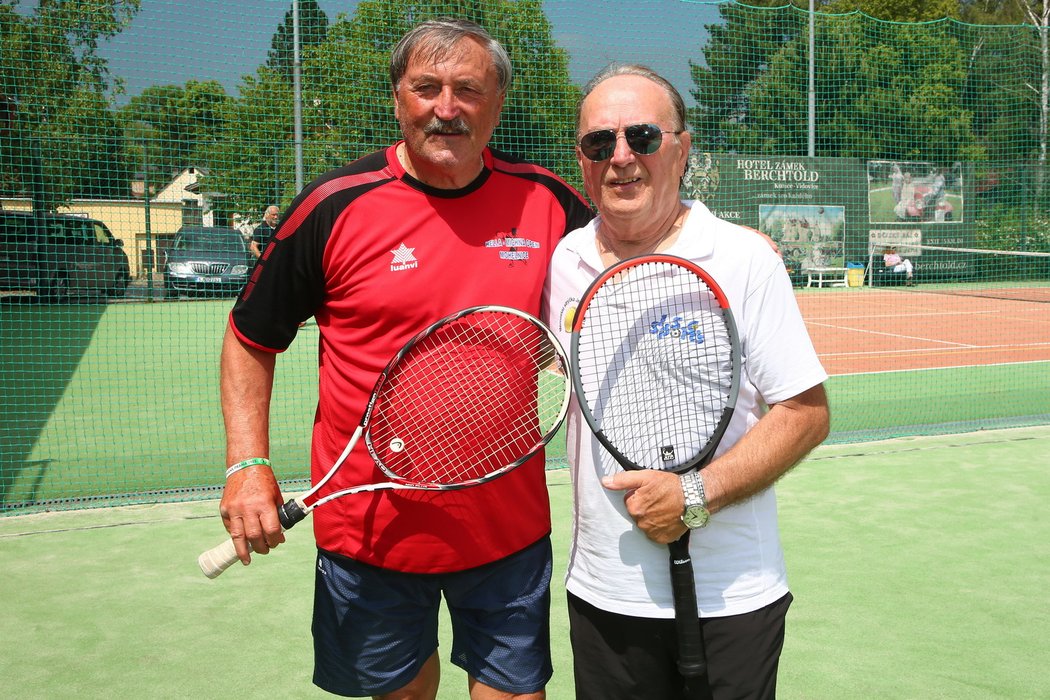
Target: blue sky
172 41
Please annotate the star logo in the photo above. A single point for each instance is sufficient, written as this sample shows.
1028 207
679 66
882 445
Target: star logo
403 259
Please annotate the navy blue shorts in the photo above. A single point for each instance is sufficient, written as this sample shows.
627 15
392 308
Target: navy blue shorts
374 628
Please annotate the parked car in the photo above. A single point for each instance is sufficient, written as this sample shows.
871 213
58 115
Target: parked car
61 257
206 261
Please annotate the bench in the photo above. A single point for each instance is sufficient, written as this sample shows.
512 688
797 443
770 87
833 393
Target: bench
825 276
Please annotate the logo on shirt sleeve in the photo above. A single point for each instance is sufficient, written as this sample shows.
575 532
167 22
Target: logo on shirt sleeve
403 259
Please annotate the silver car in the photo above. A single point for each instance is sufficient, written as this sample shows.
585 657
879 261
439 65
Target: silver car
207 261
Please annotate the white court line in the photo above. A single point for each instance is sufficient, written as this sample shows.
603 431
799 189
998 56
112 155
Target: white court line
896 314
936 369
896 335
912 351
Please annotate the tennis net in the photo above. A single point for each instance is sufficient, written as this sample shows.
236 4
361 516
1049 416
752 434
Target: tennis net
994 274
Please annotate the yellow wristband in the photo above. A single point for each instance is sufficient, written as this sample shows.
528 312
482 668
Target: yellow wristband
254 461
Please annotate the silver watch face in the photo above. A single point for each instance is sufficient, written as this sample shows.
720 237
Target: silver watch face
695 516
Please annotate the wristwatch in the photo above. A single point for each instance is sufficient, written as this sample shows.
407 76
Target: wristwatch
696 513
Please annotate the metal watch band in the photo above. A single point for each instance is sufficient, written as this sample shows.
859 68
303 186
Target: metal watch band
693 488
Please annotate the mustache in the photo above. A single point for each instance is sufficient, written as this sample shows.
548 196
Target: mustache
455 126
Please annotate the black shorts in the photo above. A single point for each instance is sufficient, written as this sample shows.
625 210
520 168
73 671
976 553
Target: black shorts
623 657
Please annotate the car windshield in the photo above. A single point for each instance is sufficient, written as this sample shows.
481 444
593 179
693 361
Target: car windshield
210 241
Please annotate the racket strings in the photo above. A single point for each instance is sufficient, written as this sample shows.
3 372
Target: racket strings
655 363
471 398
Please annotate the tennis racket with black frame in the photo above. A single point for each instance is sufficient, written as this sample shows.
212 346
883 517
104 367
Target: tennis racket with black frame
656 365
465 401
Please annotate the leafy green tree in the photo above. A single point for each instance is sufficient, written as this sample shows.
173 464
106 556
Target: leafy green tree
82 151
347 102
991 12
883 90
895 93
738 52
899 10
170 127
313 27
252 161
1038 13
55 84
539 118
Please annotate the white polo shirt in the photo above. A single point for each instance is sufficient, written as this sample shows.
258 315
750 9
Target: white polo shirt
737 558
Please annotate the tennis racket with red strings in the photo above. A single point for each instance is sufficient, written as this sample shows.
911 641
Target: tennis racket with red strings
655 360
465 401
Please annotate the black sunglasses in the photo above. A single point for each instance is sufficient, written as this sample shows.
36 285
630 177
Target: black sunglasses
643 139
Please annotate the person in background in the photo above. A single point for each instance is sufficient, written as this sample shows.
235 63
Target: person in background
264 231
376 251
910 205
621 608
897 183
893 262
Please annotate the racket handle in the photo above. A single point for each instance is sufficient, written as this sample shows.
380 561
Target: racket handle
223 555
218 558
692 659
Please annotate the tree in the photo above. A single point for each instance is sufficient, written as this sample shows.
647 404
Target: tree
539 118
313 27
738 52
82 151
347 98
991 12
899 10
51 74
884 90
251 162
172 126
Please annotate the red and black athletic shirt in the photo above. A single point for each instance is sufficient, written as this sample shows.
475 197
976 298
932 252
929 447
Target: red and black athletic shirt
375 256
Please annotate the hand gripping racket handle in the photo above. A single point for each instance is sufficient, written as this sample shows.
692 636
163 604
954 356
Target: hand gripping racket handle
692 660
223 555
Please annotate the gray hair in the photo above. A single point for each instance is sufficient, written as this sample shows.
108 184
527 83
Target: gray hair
435 38
615 69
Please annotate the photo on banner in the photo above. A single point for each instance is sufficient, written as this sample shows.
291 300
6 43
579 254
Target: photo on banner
810 236
907 191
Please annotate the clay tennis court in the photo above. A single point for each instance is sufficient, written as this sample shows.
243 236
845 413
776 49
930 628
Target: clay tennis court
879 330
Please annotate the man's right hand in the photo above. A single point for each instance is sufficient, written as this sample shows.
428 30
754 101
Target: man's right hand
249 511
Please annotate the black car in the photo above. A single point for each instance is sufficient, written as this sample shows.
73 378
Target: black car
61 257
207 261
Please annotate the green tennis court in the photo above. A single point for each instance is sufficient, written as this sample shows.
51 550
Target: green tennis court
104 405
918 566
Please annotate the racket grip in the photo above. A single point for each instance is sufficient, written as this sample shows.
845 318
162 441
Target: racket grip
218 558
692 659
223 555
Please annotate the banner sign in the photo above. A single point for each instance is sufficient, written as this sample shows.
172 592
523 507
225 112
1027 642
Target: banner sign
829 212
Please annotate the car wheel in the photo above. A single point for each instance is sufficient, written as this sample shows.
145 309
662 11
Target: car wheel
120 288
55 290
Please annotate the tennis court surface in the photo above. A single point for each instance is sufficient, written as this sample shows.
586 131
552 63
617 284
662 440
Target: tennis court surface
915 564
886 330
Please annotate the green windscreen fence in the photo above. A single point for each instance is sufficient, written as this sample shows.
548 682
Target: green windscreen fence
140 144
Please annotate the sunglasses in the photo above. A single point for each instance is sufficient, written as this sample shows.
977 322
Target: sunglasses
643 139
